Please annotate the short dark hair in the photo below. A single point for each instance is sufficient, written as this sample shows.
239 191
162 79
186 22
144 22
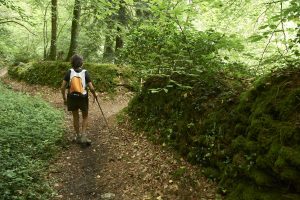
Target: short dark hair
76 61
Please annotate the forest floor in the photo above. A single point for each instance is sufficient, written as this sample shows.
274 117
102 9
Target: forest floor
120 164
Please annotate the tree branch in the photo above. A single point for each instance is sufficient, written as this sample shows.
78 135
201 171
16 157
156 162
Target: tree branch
273 2
20 24
184 36
62 27
265 49
282 27
263 13
278 50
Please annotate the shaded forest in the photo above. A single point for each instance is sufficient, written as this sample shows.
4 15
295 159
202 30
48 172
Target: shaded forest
215 81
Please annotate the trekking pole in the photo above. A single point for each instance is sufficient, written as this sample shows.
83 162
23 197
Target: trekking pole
106 120
103 115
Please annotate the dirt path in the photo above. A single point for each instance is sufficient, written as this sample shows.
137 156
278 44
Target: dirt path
121 165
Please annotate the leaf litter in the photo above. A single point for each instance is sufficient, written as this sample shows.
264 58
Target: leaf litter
118 165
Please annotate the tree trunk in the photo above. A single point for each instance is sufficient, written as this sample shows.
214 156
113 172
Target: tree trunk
75 29
45 36
119 39
121 22
142 10
108 54
52 55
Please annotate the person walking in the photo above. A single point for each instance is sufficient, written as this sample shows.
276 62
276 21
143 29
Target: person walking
77 81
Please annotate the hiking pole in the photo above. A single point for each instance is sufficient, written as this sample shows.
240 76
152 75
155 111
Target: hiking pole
103 115
106 120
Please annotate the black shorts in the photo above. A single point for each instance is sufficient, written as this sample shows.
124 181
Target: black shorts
78 102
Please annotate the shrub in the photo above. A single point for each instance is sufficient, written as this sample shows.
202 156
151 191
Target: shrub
153 48
106 77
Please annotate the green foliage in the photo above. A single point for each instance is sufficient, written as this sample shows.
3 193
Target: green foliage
268 134
286 13
177 104
269 29
106 77
182 29
29 136
43 73
249 143
167 48
178 173
2 64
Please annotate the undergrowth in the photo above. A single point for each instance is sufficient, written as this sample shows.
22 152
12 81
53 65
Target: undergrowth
248 142
30 133
106 77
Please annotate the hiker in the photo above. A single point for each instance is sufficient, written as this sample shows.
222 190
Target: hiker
77 80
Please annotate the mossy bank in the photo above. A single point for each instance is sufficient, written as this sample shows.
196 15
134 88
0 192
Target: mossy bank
248 142
106 77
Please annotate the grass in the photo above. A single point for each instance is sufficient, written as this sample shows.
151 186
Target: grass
29 137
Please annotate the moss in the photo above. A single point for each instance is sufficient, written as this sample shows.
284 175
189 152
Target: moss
286 133
262 162
266 161
243 192
238 143
290 196
261 177
239 160
249 191
211 172
292 155
156 81
106 77
252 146
289 103
249 141
178 173
290 174
186 79
280 163
240 129
272 116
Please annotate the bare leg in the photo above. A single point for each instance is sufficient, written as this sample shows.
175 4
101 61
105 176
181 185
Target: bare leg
76 122
84 121
84 139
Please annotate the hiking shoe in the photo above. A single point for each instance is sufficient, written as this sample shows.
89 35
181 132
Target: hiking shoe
85 141
76 139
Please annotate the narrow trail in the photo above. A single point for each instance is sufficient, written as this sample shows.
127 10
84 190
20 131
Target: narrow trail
121 165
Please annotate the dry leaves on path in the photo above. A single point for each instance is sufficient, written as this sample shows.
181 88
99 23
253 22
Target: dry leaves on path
120 164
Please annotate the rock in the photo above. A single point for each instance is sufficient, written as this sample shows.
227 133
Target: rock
108 196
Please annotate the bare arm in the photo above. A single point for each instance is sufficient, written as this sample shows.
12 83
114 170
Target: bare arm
92 89
63 90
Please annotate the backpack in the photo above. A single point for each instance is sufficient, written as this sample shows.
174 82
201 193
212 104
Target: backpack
77 83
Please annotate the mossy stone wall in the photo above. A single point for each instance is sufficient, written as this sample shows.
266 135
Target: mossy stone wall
250 143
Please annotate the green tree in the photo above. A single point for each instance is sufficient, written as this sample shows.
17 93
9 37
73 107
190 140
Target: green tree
121 23
109 43
74 29
15 16
52 55
109 53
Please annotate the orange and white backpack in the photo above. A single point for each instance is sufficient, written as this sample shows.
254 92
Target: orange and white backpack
77 83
